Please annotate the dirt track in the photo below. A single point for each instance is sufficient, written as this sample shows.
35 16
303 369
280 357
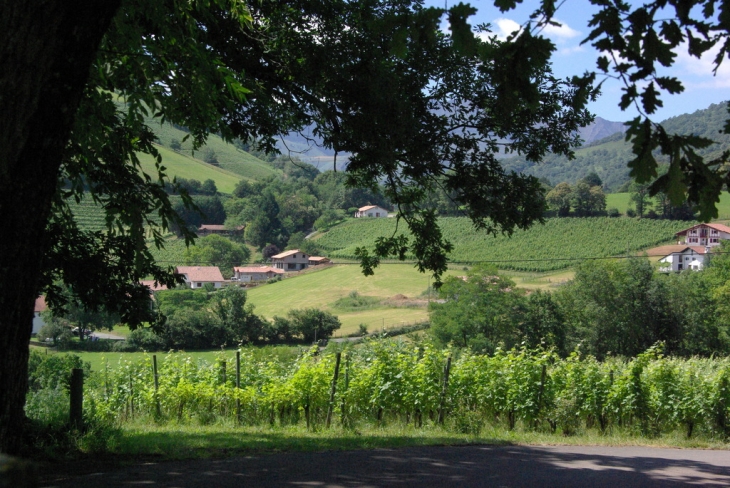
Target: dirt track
489 466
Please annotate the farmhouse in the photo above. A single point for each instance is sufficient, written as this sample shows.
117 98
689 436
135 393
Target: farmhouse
316 260
252 274
153 285
197 276
371 211
708 235
40 306
680 257
293 260
207 229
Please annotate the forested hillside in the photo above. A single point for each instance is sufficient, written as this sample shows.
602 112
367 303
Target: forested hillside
608 157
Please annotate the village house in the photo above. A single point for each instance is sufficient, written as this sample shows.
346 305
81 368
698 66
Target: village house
317 260
679 257
371 211
253 274
198 276
708 235
293 260
38 322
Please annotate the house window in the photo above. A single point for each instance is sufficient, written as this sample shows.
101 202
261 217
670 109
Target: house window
291 266
377 214
198 285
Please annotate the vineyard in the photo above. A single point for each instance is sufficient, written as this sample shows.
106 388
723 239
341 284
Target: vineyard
557 244
393 382
88 214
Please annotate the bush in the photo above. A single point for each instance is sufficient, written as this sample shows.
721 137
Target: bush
613 212
143 340
631 212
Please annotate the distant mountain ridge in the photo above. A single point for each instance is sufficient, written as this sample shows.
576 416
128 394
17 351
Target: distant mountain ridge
608 157
600 129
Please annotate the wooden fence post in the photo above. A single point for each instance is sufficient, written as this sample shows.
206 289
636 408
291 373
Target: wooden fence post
333 389
76 411
157 385
442 403
343 413
238 386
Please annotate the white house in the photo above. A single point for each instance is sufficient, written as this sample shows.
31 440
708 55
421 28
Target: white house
680 257
198 276
293 260
371 211
252 274
706 235
40 306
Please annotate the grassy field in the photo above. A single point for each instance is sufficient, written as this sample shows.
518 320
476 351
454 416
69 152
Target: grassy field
622 201
322 288
230 158
184 166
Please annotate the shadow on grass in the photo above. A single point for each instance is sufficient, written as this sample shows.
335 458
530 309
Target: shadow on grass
183 444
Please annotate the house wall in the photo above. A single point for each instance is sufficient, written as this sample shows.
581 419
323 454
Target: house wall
376 212
194 284
687 260
38 322
705 236
295 262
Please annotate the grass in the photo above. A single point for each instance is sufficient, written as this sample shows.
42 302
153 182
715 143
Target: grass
622 201
195 441
113 359
323 288
184 166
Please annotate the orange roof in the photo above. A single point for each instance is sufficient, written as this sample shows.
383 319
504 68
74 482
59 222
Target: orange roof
720 227
367 207
672 249
153 285
286 253
200 273
40 304
257 269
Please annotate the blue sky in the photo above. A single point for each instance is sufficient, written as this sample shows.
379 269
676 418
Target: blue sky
571 58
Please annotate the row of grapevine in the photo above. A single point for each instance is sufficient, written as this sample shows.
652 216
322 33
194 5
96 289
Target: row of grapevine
555 245
398 382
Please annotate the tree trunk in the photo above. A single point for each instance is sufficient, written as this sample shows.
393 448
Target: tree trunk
46 50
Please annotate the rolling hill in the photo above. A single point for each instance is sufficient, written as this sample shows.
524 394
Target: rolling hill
608 157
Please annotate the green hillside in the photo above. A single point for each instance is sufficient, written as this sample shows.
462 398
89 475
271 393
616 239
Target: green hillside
183 166
557 244
230 158
608 157
322 288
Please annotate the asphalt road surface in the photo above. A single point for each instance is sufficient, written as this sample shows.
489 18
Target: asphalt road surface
489 466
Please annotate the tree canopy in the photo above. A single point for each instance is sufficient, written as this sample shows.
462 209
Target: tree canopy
416 107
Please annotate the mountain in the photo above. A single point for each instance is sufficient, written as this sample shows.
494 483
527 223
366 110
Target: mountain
609 156
600 129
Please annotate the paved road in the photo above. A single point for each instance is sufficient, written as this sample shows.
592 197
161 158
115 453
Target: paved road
468 466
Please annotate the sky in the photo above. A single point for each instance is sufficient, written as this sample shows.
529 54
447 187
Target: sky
573 58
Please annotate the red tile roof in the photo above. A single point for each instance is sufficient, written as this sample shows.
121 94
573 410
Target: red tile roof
719 227
672 249
153 285
257 269
201 273
40 304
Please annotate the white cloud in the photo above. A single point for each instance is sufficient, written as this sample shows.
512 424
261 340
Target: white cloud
505 27
562 31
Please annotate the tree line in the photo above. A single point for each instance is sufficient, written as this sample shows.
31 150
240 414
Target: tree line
610 308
